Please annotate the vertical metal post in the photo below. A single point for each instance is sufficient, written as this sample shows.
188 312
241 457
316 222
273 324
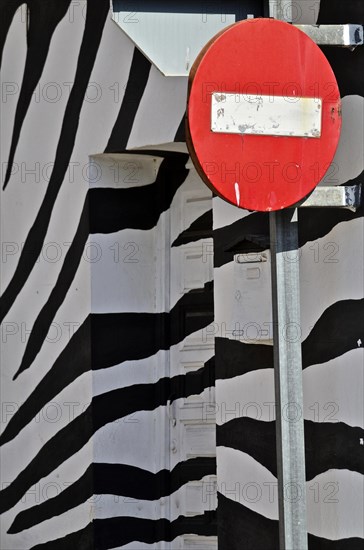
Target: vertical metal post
288 380
290 441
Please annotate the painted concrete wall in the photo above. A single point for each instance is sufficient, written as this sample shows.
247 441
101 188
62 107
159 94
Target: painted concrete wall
90 327
91 322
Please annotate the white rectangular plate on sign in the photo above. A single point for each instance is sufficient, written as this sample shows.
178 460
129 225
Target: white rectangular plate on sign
266 115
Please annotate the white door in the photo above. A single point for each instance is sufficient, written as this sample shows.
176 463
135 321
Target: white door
191 419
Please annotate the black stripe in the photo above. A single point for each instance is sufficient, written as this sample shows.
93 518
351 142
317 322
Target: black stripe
326 341
122 480
252 231
56 298
257 438
332 445
95 19
116 337
320 543
237 523
8 9
137 81
114 532
181 130
111 339
43 20
72 496
117 531
315 223
249 232
201 228
104 408
234 358
116 479
336 12
80 540
73 361
110 210
347 65
232 7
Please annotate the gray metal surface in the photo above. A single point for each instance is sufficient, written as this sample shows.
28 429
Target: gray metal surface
288 380
290 442
345 196
347 36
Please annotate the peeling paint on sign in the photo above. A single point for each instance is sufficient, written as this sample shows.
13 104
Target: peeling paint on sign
266 115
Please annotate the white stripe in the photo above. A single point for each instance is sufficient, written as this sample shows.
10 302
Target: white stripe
331 512
333 392
330 495
250 395
326 390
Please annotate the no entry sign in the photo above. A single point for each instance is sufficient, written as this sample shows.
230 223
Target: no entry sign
264 114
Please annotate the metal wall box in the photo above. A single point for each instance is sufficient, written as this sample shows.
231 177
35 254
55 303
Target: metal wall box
340 196
345 36
252 298
171 34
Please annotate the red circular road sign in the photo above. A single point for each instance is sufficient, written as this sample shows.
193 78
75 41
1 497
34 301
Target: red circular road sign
264 114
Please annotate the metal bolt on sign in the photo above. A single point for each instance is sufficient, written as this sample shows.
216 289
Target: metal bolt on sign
255 130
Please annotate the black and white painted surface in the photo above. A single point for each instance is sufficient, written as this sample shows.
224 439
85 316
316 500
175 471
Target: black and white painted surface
85 334
332 328
87 393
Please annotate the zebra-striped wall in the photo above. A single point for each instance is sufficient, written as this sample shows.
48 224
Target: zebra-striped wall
85 386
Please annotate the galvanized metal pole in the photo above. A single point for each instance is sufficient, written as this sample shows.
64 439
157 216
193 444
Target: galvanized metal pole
288 380
290 444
